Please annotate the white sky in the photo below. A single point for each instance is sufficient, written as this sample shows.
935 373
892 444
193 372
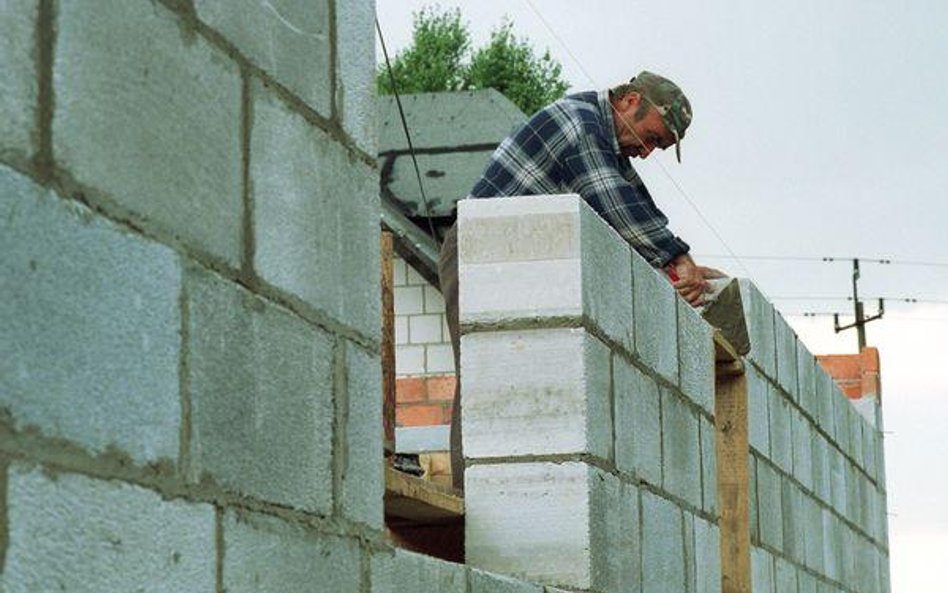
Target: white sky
819 130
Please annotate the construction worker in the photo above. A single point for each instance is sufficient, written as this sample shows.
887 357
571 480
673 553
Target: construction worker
582 144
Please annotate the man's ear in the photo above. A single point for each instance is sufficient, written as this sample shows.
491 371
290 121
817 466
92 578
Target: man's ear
630 102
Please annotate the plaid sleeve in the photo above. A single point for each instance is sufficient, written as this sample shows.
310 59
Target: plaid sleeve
594 172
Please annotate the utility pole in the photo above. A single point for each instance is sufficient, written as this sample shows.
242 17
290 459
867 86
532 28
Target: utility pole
861 319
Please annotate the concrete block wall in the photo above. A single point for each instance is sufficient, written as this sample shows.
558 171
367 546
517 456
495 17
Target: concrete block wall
818 498
588 406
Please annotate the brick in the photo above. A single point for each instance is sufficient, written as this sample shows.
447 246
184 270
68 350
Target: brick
261 396
419 415
802 438
695 357
410 389
638 422
409 360
291 43
355 72
709 471
786 351
769 506
758 414
486 582
762 571
785 576
91 324
316 212
759 314
434 302
616 535
263 553
441 388
152 121
531 521
405 572
806 381
707 557
656 339
681 450
825 395
362 479
70 532
409 300
781 442
424 329
439 358
18 87
535 392
663 562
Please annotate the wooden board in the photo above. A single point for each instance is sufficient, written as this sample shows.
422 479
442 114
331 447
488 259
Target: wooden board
419 501
731 448
388 344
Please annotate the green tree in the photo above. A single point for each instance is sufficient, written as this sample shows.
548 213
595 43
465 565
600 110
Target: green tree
440 58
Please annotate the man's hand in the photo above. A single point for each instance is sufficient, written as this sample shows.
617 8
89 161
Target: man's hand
689 279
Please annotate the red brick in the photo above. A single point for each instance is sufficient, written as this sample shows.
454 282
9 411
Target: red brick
870 360
419 415
441 388
841 366
409 389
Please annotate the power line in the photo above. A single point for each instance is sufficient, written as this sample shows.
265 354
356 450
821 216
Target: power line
910 300
830 259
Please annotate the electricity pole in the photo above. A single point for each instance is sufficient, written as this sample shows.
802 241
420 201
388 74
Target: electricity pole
861 319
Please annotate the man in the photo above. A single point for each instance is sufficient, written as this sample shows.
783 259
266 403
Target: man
582 144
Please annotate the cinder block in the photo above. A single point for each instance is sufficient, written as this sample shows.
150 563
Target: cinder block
822 483
758 414
806 381
832 541
70 532
754 498
785 576
404 572
543 256
825 396
794 521
263 553
656 336
762 571
90 319
856 425
615 535
769 506
759 314
663 559
638 422
781 441
802 438
806 582
535 392
18 86
707 557
688 530
363 481
486 582
531 521
786 350
813 528
695 357
291 43
839 488
316 213
152 119
681 450
261 396
355 72
709 471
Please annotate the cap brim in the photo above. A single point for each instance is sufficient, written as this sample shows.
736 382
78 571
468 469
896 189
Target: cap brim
677 145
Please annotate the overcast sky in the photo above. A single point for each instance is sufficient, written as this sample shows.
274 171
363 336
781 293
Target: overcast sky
820 129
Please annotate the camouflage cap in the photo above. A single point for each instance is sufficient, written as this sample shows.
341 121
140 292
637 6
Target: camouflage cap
669 101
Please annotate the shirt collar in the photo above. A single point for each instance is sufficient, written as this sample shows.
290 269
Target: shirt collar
605 107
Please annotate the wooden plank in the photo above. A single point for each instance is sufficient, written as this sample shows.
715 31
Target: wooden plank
731 448
388 344
419 501
726 358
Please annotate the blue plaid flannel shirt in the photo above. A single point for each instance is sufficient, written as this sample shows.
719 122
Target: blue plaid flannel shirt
571 147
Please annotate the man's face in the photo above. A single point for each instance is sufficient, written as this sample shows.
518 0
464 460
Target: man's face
638 138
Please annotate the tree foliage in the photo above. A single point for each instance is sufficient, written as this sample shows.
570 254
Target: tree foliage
440 58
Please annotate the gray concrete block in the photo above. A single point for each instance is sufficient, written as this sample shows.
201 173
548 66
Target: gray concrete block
531 521
707 557
70 532
802 438
848 557
794 521
813 529
822 483
806 582
781 441
856 425
832 540
261 396
681 450
615 535
656 314
363 480
762 571
758 414
709 470
753 504
151 119
839 488
403 572
535 392
695 357
688 531
785 576
786 351
663 554
825 396
90 320
18 86
759 314
355 72
806 381
316 213
291 43
486 582
264 553
607 277
638 422
769 506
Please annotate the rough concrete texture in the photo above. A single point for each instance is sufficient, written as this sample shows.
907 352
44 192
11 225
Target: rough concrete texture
762 571
826 395
688 534
486 582
753 502
821 468
72 533
400 571
758 415
794 521
355 72
18 86
759 314
316 216
806 582
832 542
802 437
535 392
813 526
769 505
638 423
90 323
531 521
781 442
663 559
709 471
363 481
806 381
261 396
616 535
681 450
263 553
785 576
838 486
695 357
707 557
290 41
150 120
656 314
786 351
842 422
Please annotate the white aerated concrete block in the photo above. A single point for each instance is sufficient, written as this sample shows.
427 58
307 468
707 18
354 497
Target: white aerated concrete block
535 392
786 351
759 314
400 571
663 551
541 257
695 357
656 319
73 533
681 450
638 425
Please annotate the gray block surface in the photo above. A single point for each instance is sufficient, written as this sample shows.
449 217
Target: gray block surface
638 423
400 571
663 554
487 582
91 326
355 72
709 468
681 450
802 436
758 414
363 481
655 317
769 506
806 381
73 533
695 357
781 441
786 351
616 535
18 79
759 314
762 571
151 120
261 396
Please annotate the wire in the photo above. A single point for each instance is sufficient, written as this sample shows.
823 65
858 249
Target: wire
401 115
829 259
911 300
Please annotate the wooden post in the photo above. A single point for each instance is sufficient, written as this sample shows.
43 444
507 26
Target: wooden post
731 448
388 344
